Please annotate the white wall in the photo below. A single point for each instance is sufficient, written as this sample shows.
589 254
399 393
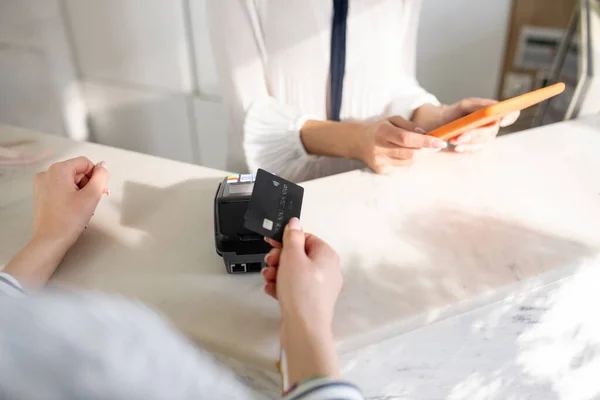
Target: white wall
461 47
149 79
140 74
36 71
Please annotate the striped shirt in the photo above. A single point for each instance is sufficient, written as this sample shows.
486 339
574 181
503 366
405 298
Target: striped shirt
75 345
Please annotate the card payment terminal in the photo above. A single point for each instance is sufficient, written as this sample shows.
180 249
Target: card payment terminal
242 250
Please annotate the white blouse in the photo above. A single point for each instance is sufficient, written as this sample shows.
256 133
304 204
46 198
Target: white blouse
273 61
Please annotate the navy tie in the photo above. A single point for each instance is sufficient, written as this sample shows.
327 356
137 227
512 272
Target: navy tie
337 61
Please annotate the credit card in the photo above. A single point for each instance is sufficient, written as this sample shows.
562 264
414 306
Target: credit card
273 203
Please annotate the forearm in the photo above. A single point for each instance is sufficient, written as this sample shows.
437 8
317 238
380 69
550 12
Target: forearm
333 139
310 353
36 262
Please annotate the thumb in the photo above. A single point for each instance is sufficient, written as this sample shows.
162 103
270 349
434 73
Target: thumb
97 184
293 236
402 123
469 106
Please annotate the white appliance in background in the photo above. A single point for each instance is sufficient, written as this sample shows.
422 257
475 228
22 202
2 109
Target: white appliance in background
537 47
578 65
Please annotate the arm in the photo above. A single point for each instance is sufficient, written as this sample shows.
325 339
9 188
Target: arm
309 351
409 96
48 339
279 137
65 199
270 128
425 110
36 262
334 139
305 277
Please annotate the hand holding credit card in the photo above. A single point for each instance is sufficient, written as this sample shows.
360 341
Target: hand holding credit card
273 203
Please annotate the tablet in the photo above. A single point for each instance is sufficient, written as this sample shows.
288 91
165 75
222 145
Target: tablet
496 112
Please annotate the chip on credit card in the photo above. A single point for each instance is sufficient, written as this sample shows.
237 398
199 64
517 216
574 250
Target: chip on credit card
273 203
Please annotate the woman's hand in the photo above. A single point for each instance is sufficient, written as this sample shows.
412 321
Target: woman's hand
394 142
65 198
304 276
432 117
382 145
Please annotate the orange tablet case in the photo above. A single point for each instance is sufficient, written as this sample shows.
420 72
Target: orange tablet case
495 112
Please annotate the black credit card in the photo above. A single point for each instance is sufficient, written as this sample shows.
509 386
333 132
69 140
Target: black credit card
273 203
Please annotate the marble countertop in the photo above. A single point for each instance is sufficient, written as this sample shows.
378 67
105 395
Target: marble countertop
540 344
500 246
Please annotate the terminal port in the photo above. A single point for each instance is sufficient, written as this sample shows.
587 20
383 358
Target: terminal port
253 267
238 268
249 237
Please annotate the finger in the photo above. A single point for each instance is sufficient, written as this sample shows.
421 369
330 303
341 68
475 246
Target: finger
38 181
271 290
293 236
317 247
402 123
413 140
510 119
313 244
401 153
468 148
461 139
78 165
484 134
471 105
479 135
97 184
272 259
394 163
269 274
40 176
391 163
81 180
273 243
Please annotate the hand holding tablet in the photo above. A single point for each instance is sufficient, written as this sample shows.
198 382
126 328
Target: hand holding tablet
495 112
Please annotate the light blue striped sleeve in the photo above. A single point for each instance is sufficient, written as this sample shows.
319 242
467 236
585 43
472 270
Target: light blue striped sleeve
10 286
325 389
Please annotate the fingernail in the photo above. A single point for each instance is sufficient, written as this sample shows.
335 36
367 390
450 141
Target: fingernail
504 123
463 139
294 224
430 150
102 164
459 149
439 144
420 130
267 259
